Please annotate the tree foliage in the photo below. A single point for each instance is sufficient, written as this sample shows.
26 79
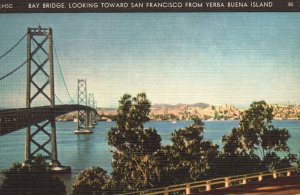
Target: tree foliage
257 138
141 162
91 181
134 147
129 133
36 179
190 157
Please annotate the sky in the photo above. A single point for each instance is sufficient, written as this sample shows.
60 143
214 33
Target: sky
215 58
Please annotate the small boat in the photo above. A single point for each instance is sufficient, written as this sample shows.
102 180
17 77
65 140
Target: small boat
75 120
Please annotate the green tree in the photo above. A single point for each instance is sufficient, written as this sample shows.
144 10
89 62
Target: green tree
134 147
91 181
190 157
257 138
36 179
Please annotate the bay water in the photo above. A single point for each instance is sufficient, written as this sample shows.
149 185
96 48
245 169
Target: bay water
83 151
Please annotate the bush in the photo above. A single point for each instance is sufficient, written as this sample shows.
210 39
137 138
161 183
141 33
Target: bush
33 180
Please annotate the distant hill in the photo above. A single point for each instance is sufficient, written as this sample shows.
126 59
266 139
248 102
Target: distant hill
200 105
161 106
170 106
203 110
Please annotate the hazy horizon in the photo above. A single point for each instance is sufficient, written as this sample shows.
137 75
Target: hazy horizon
235 105
182 103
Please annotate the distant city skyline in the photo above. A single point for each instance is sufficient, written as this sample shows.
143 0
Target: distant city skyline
214 58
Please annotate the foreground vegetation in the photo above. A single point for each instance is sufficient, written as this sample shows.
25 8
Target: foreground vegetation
140 161
34 180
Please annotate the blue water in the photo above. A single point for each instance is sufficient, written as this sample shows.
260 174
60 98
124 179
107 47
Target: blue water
82 151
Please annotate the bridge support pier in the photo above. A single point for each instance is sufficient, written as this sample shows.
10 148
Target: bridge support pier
90 119
96 114
83 117
40 85
91 114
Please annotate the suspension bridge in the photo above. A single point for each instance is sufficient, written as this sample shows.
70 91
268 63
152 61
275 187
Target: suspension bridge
40 111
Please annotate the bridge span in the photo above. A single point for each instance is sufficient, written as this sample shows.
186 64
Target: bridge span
15 119
40 90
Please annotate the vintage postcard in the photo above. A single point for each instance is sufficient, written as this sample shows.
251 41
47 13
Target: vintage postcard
149 97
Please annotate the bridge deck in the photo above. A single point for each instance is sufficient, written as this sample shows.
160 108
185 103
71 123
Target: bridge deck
15 119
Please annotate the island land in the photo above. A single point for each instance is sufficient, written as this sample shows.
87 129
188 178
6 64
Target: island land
188 111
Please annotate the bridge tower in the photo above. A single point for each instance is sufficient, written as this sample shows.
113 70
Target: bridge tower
40 139
83 117
92 115
96 114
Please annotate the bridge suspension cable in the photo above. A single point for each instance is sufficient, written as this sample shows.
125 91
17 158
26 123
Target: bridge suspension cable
58 99
74 97
17 68
13 71
56 56
13 47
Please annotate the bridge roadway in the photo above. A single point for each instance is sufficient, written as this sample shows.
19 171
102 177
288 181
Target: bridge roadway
14 119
